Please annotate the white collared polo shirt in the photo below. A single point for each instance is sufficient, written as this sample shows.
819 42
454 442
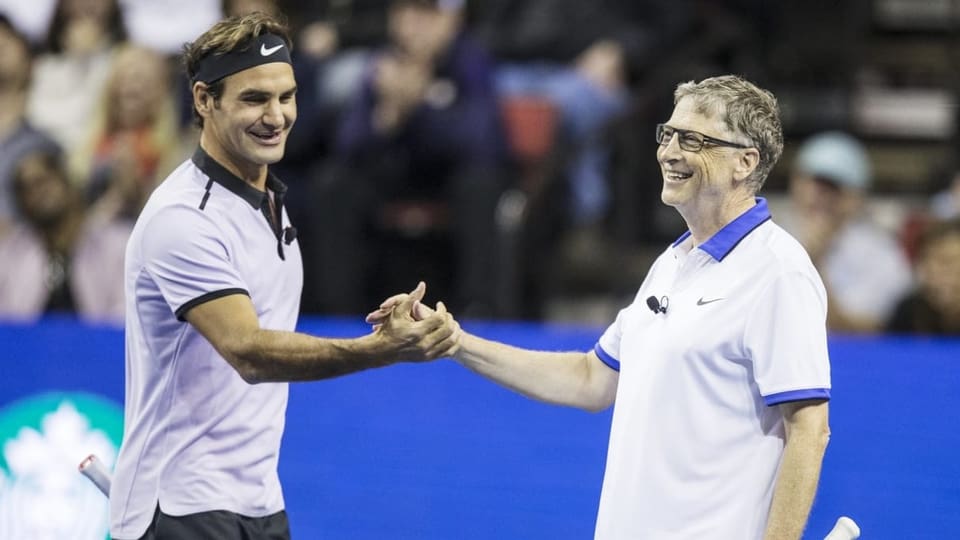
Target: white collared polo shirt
697 438
197 437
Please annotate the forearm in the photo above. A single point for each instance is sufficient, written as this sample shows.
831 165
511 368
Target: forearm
796 484
272 355
563 378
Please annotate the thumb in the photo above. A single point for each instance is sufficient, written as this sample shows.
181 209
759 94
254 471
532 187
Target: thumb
406 306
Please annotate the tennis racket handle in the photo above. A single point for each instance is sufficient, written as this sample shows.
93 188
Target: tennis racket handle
845 529
93 468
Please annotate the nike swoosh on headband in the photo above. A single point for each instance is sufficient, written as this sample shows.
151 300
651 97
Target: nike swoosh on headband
265 51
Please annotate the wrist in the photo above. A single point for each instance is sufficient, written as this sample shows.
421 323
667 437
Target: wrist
371 350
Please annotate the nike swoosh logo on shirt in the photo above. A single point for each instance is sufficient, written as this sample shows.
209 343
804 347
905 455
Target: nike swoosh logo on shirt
264 51
702 302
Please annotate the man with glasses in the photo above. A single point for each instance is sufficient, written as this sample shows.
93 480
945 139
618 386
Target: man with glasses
719 367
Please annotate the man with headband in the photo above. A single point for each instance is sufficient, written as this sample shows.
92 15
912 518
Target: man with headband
213 278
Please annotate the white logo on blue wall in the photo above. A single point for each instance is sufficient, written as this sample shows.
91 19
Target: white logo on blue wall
42 440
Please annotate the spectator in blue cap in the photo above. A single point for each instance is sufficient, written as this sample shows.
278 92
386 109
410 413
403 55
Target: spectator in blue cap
863 266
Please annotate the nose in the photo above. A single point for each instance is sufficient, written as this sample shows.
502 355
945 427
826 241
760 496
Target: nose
273 114
669 152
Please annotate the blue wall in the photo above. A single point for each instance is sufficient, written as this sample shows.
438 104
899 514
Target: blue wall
434 452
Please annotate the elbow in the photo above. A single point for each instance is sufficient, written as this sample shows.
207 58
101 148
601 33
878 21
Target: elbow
246 361
250 374
248 370
595 407
597 403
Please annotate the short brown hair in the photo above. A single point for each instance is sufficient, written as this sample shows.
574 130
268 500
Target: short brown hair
747 110
227 35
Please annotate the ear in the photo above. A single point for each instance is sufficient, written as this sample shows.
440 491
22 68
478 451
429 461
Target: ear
747 163
202 100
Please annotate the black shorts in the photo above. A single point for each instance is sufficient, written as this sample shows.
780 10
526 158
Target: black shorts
217 525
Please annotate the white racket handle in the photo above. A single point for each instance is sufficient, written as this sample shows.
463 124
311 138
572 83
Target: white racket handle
845 529
93 468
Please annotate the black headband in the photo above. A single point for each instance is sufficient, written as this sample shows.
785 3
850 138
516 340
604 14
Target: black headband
262 49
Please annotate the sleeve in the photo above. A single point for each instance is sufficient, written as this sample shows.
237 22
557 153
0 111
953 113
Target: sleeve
786 338
608 346
185 254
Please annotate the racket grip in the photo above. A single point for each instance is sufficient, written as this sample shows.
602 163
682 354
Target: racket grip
845 529
93 468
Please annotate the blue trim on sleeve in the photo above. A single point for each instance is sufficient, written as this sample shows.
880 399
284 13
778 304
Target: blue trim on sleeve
797 395
605 357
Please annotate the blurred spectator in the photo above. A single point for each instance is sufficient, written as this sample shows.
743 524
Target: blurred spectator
863 266
70 73
576 55
426 126
934 306
326 27
134 141
17 136
30 18
165 25
946 202
58 258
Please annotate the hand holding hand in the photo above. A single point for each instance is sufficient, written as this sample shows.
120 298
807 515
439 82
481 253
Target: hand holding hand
419 311
412 331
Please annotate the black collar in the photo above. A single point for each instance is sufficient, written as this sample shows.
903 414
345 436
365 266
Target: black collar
219 174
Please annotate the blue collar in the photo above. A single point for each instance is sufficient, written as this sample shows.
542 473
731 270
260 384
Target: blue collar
721 244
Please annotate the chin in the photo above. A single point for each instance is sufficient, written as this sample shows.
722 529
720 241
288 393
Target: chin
669 197
268 156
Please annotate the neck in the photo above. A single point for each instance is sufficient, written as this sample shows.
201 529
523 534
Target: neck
251 173
707 219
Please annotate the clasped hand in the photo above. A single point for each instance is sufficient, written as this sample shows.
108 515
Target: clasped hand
423 333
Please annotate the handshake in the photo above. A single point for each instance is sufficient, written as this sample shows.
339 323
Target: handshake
412 331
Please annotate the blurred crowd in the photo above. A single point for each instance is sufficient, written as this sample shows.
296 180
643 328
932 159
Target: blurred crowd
500 150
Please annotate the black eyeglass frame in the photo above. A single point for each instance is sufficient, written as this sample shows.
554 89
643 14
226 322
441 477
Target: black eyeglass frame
663 140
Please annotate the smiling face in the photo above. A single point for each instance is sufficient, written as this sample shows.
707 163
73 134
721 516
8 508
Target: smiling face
246 129
711 180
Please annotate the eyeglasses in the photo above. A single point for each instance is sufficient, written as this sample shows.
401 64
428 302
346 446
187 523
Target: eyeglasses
691 141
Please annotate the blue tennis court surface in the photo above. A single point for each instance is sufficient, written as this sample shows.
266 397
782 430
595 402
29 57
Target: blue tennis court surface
434 452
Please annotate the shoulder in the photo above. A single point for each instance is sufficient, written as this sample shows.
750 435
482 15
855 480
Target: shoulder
772 245
773 258
177 209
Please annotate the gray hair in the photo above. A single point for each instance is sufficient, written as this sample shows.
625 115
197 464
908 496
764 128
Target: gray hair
747 110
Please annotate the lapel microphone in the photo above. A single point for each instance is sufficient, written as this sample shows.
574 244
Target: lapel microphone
658 306
289 235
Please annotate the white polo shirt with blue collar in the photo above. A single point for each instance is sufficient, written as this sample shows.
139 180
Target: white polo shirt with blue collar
697 437
197 437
